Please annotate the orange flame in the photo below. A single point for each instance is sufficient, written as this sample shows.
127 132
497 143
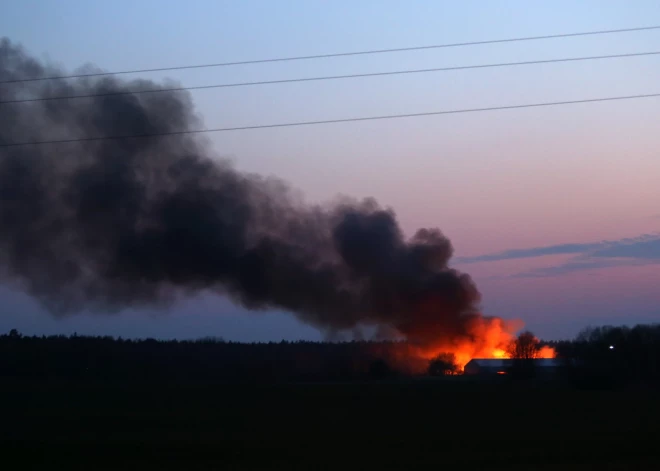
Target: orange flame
546 352
487 337
499 353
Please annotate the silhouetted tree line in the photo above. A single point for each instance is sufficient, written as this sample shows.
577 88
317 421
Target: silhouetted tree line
209 359
598 357
610 356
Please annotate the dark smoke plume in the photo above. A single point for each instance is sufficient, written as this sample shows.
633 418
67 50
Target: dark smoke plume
108 224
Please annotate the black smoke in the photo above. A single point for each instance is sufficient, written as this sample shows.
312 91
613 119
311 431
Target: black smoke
103 225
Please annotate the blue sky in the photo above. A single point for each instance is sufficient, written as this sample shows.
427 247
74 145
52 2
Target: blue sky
548 183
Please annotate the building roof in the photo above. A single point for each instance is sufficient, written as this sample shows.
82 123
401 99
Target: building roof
505 363
491 362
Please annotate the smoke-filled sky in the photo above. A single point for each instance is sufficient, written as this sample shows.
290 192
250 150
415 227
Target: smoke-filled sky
554 212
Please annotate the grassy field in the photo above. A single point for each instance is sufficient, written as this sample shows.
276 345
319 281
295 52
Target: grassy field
406 425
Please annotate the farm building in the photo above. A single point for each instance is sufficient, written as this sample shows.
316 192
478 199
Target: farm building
489 366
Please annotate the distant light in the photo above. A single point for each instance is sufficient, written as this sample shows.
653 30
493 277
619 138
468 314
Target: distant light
611 347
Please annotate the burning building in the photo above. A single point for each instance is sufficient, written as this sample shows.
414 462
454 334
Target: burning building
485 367
114 200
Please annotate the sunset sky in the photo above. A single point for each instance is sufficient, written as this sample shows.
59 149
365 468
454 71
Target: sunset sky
554 211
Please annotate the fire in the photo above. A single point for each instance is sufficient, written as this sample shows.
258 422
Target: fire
546 352
487 337
500 353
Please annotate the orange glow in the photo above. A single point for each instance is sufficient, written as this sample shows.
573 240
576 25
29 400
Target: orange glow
499 353
546 352
487 337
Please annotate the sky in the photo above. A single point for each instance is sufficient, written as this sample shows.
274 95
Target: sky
554 211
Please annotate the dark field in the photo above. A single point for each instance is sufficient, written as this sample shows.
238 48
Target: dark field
407 425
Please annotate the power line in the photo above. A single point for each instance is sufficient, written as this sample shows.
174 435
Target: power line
341 54
334 121
336 77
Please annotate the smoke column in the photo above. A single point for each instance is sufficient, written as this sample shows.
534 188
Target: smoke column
109 224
